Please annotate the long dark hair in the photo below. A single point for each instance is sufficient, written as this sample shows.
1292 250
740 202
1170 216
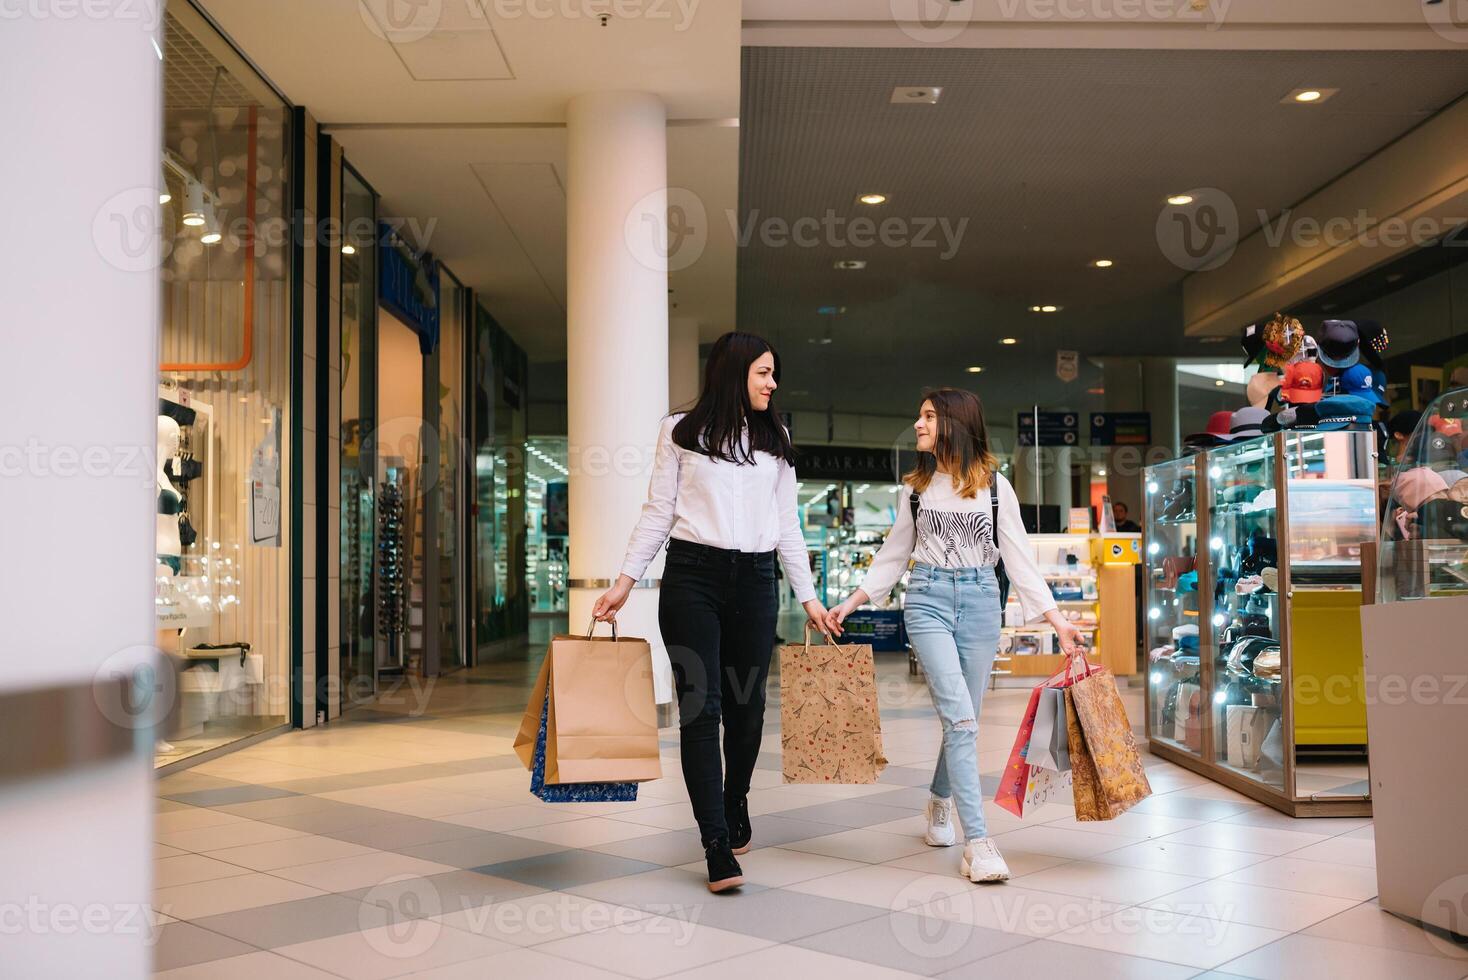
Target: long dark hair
961 443
714 426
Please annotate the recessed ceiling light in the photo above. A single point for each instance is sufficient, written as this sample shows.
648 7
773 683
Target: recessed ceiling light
1219 382
975 369
1178 200
872 198
1047 308
1009 341
349 249
851 263
1103 263
1308 96
916 94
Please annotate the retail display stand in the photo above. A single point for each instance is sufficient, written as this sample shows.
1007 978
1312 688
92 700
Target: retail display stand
1414 645
1091 577
1253 584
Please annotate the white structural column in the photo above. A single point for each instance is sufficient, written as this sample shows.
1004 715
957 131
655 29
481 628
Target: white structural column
617 343
78 431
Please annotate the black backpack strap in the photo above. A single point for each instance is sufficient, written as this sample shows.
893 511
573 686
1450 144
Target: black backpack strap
999 573
913 502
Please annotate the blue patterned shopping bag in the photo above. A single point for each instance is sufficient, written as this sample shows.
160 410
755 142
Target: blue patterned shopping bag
572 792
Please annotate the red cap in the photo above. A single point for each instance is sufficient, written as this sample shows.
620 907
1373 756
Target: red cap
1303 383
1446 427
1221 424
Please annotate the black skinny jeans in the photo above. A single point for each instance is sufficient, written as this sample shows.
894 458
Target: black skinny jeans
717 613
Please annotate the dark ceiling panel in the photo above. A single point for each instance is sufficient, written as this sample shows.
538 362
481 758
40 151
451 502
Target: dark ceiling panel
1052 158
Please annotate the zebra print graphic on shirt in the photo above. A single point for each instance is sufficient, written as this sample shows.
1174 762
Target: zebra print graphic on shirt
955 539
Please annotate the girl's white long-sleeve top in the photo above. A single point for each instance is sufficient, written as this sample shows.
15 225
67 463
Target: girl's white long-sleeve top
698 498
956 532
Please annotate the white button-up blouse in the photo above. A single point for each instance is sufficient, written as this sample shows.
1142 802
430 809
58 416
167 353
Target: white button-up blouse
708 501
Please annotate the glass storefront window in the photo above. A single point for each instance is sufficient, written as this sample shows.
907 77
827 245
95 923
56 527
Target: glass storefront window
547 523
358 421
448 590
225 414
502 602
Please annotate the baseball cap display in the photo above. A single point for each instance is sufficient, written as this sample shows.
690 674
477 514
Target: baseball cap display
1217 433
1416 486
1283 338
1245 423
1373 341
1343 411
1303 383
1340 343
1360 380
1443 518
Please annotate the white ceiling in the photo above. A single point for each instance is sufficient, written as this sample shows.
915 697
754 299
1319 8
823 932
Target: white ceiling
456 117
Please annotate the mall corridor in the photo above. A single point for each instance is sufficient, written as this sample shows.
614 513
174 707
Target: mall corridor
403 840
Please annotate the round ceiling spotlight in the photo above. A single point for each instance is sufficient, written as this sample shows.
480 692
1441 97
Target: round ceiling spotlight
1103 263
851 263
1047 308
975 369
872 198
1009 341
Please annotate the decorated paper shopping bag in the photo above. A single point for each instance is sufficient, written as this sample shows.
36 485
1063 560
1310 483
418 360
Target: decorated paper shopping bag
1047 786
1085 783
830 725
1108 735
1015 777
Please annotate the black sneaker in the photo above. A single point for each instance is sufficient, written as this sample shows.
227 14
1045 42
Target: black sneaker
736 815
724 871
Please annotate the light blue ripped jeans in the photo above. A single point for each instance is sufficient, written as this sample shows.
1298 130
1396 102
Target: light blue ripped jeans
953 619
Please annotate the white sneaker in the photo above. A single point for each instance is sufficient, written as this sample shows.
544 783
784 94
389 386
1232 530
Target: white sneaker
940 833
982 861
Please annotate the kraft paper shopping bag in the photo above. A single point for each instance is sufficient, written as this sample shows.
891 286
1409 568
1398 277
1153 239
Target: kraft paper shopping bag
830 724
601 715
1108 734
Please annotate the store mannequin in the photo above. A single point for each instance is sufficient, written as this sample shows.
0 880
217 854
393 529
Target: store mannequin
170 502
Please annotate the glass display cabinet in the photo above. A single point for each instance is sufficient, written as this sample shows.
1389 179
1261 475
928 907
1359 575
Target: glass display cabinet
1424 529
1171 623
1255 559
1414 639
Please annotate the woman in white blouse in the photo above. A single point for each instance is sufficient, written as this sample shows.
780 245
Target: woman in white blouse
723 488
946 526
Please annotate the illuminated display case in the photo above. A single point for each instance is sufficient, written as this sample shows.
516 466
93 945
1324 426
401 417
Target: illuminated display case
1414 673
1254 561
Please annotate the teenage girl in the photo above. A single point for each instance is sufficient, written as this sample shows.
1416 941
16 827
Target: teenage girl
952 607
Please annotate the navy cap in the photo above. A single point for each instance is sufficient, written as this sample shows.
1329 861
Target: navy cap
1340 343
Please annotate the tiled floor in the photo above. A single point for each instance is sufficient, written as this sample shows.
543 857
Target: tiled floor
403 841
